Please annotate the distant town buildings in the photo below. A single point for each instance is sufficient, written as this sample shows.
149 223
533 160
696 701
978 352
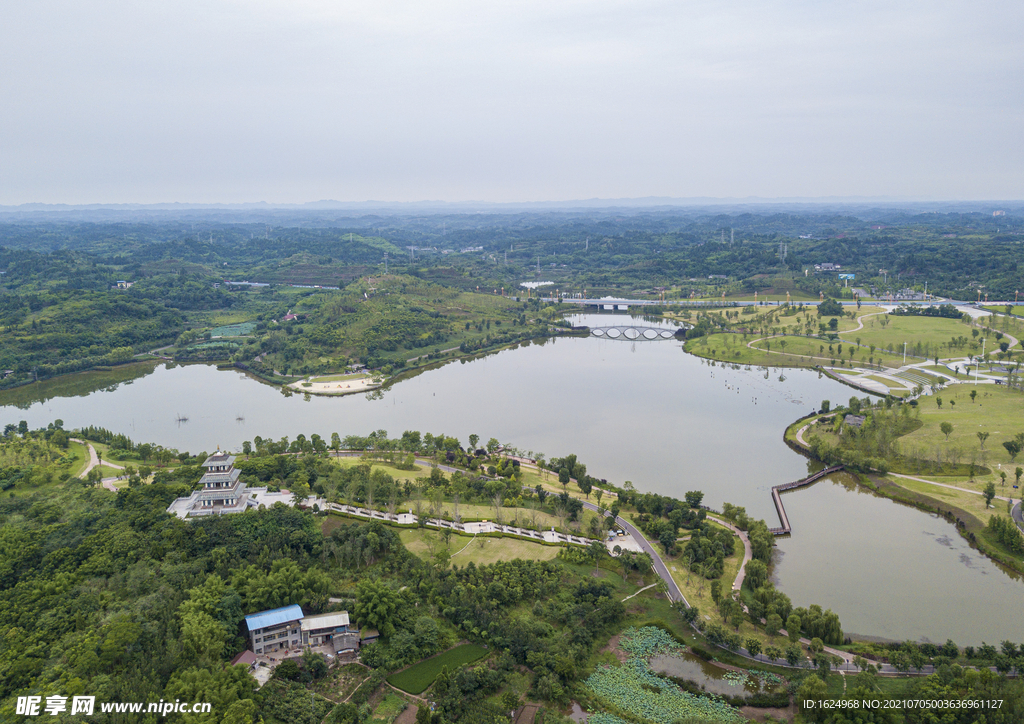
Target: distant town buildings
827 267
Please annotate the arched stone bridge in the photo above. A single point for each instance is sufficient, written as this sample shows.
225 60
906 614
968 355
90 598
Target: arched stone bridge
633 333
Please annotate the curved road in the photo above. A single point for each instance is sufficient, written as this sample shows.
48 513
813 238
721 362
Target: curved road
674 594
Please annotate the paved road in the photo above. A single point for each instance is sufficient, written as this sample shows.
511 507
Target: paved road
660 568
1017 516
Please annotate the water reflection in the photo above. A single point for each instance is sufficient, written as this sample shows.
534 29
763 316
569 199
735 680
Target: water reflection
665 420
891 571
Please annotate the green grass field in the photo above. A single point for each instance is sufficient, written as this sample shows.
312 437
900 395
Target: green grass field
926 330
996 410
340 378
484 550
81 453
418 677
416 474
1017 310
894 387
797 352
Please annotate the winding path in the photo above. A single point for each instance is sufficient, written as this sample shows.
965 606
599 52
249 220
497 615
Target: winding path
94 461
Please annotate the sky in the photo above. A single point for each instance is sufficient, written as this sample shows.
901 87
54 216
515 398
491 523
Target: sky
301 100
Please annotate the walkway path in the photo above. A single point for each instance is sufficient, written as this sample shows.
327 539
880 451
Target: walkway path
945 485
94 461
802 441
747 552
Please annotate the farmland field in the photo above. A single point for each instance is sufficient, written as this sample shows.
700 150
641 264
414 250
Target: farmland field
418 677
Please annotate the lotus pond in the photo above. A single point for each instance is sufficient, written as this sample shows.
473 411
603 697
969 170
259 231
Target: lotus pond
634 688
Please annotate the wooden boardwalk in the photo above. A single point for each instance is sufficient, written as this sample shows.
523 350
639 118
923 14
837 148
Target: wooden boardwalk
785 528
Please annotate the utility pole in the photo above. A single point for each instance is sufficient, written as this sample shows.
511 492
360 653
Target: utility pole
904 353
977 363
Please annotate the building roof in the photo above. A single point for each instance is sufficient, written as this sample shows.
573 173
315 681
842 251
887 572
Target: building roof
273 617
345 642
325 620
221 457
246 657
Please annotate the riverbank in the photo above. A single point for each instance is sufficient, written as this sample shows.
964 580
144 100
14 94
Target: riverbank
962 507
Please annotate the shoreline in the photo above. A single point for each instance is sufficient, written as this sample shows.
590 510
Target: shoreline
964 522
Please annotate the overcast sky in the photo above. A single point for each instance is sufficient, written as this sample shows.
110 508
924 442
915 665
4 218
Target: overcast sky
301 100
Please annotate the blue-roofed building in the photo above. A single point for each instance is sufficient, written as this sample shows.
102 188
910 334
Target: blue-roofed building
275 630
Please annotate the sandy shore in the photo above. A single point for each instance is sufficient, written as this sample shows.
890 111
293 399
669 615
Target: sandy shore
340 387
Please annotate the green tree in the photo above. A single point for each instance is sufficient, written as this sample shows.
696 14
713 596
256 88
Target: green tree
753 647
757 573
793 624
377 606
794 654
946 428
982 437
808 695
989 493
1013 447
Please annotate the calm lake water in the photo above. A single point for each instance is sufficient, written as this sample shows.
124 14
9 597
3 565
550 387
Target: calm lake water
645 412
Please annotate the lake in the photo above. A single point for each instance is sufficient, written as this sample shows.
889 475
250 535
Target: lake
640 411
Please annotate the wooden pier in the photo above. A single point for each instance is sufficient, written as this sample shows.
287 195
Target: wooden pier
777 491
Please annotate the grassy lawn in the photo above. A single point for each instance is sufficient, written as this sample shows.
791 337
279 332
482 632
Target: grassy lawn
995 410
797 352
825 351
424 542
974 504
415 474
935 331
894 387
108 472
115 456
418 677
1017 309
81 453
340 378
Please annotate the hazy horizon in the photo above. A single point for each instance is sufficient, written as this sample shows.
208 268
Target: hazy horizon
456 102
